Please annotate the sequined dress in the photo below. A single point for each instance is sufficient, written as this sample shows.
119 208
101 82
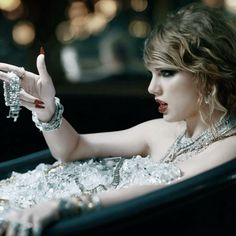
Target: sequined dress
58 180
48 181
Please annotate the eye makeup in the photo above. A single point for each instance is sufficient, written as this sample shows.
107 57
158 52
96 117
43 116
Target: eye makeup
167 72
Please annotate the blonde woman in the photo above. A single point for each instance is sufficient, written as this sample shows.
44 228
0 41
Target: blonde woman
192 58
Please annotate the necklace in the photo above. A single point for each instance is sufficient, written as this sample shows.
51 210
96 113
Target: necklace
188 147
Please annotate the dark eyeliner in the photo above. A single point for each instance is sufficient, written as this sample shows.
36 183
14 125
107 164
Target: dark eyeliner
168 72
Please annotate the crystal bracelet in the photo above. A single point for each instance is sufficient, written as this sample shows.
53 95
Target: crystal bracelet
78 204
11 95
67 208
88 202
54 123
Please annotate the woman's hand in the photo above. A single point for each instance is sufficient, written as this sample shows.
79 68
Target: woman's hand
30 221
37 91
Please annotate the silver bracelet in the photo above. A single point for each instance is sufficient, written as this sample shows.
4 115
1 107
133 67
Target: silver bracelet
66 208
11 95
78 204
87 202
54 123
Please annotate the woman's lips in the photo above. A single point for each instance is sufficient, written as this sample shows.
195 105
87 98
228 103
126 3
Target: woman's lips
162 106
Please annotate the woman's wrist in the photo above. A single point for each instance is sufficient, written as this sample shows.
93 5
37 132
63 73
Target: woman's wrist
46 114
75 205
87 202
52 121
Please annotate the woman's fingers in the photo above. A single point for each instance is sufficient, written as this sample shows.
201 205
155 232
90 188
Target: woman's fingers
37 230
30 102
5 76
31 221
25 225
3 227
32 106
34 88
23 228
13 224
19 71
42 69
25 96
13 228
47 88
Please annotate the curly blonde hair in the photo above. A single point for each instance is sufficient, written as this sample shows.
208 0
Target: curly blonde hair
200 40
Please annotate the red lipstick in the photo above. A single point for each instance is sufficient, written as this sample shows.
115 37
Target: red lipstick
162 106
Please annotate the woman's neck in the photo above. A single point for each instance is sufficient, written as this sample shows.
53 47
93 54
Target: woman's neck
195 125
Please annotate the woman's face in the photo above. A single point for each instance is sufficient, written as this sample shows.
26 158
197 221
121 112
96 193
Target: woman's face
175 92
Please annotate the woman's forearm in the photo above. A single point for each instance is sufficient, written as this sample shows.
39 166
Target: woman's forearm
115 196
62 141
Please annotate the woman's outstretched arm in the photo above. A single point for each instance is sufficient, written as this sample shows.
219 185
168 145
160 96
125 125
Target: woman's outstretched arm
38 217
38 95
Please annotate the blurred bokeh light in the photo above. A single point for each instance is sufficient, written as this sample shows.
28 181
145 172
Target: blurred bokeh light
23 33
9 5
139 28
139 5
230 5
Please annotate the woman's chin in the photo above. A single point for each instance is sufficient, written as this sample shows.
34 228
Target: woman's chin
167 117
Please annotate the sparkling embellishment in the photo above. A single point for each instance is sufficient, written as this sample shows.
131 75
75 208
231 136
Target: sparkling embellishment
11 95
54 123
60 180
185 148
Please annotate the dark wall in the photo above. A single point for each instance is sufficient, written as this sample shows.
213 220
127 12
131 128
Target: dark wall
89 108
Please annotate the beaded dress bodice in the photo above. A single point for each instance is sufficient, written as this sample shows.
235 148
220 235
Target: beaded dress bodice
185 148
58 180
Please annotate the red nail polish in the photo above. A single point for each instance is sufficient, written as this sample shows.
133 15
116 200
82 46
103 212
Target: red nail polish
42 51
38 102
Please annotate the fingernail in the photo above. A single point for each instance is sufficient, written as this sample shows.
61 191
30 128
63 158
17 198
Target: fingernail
37 101
42 51
39 106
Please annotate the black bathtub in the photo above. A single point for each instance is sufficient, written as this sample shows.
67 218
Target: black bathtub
204 204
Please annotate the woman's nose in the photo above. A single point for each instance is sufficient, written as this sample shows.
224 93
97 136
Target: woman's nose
155 86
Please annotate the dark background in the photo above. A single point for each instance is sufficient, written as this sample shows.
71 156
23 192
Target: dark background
111 103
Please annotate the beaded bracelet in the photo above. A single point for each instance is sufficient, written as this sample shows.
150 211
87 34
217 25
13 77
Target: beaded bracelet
54 123
78 204
87 202
67 208
11 95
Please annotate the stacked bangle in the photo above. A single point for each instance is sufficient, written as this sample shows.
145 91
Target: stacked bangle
78 204
87 202
54 123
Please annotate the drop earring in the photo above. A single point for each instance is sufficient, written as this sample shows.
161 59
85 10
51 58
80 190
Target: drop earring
206 99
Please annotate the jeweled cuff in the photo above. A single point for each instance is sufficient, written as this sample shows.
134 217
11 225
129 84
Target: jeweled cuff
80 204
54 123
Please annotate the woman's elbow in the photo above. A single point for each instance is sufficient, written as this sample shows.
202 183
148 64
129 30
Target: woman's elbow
62 154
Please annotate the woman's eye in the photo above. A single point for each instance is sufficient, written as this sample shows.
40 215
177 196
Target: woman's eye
168 73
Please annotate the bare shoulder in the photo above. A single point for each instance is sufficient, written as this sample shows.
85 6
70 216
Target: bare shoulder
159 135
